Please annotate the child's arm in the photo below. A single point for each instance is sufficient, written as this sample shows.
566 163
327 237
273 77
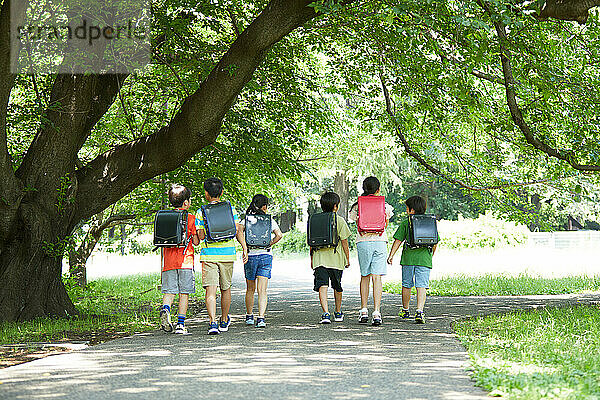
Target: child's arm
393 250
242 239
346 251
195 238
277 238
433 250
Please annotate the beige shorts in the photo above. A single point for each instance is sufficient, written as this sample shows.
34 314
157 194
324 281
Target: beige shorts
217 273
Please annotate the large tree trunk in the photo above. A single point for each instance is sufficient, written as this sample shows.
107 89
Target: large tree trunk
287 221
31 269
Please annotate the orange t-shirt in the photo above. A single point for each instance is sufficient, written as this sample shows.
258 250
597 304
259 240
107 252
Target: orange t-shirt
174 257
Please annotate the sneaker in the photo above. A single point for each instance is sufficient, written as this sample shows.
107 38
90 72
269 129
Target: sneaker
249 319
363 316
338 316
224 326
326 318
165 321
181 329
213 329
419 318
405 314
377 319
260 323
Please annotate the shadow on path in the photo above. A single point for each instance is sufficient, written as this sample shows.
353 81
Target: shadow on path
294 358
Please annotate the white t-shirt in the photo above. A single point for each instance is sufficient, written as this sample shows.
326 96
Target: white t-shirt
370 237
256 252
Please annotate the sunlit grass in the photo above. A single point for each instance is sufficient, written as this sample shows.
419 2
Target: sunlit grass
119 305
546 353
504 285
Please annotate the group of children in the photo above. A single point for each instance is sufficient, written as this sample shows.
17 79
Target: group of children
328 264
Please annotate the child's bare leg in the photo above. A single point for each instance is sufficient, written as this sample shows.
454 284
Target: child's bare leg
364 290
421 295
168 299
262 283
377 290
250 288
211 303
323 298
405 297
338 300
225 303
183 303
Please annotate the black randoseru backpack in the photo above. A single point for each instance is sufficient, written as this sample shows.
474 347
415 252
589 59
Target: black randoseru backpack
322 230
422 231
219 224
258 231
170 228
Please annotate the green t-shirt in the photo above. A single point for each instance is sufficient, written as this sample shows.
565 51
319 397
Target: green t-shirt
329 258
421 257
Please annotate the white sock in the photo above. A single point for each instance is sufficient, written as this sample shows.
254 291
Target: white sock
419 310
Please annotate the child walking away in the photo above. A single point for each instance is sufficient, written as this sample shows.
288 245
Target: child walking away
261 233
416 261
372 215
327 236
177 276
217 224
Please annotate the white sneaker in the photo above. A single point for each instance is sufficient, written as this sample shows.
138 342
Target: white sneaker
224 326
377 320
181 329
363 315
165 321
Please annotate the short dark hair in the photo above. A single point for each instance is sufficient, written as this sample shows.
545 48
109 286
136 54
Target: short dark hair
416 203
214 187
370 185
178 194
329 200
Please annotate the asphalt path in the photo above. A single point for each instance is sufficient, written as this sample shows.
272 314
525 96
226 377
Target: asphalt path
293 358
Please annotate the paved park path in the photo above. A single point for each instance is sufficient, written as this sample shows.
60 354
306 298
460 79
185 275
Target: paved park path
294 358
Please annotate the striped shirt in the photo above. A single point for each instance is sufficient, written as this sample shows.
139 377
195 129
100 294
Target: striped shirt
217 251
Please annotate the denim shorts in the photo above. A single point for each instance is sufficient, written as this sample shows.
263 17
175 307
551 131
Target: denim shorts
372 257
415 275
177 281
258 265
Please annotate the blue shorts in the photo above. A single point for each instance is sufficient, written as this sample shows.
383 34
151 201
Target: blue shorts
372 257
258 265
415 275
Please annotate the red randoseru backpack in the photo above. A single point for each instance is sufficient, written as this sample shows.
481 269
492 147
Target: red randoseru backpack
371 214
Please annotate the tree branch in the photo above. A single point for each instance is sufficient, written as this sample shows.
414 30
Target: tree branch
113 174
7 80
77 102
234 22
11 191
567 10
428 166
511 99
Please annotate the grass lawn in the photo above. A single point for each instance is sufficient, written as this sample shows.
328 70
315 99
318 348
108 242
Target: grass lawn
109 308
541 354
503 285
